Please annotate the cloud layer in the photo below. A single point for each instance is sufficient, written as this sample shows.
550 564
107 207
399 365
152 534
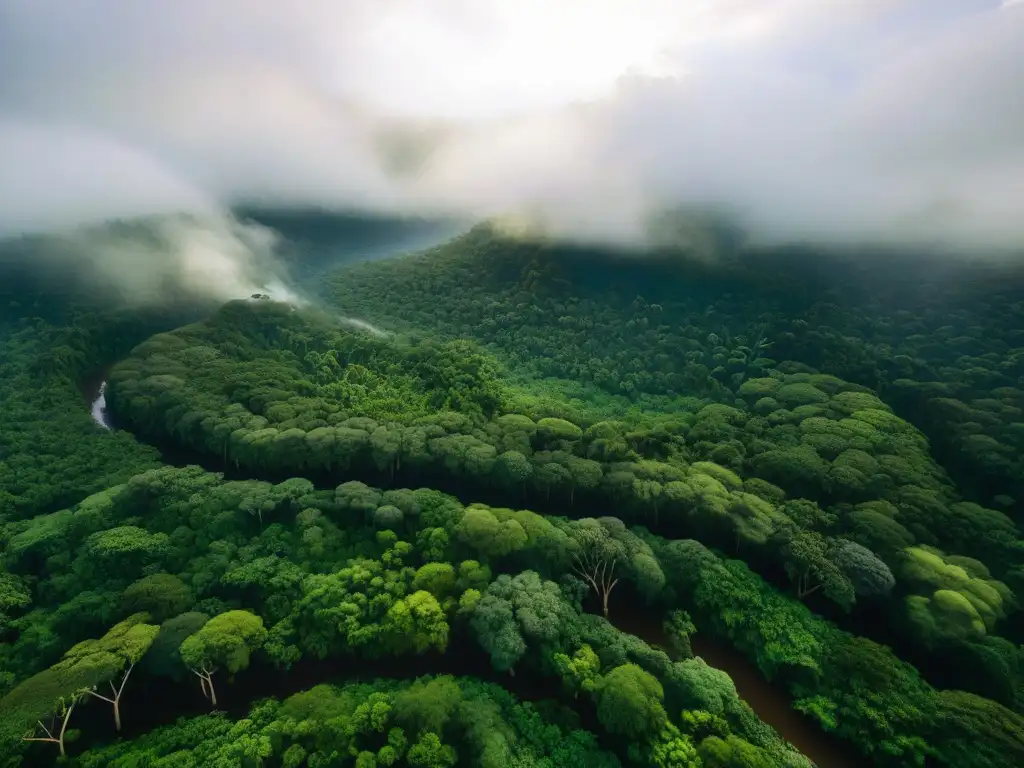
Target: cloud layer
889 121
155 259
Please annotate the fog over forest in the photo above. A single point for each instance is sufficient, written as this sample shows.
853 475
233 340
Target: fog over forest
888 122
512 384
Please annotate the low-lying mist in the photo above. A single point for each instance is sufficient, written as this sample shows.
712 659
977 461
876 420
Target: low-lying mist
157 259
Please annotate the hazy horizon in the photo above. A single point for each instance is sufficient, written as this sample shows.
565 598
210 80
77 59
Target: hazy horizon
889 122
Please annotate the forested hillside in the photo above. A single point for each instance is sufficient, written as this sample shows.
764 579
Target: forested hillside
497 527
195 576
51 348
942 343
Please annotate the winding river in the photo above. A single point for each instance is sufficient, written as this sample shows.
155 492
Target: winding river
771 703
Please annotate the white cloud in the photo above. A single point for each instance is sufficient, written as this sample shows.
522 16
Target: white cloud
885 120
58 175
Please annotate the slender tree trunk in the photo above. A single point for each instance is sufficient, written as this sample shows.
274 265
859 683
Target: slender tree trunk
803 587
206 683
116 701
64 728
599 576
59 738
809 592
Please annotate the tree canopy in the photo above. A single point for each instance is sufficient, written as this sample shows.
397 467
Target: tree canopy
527 518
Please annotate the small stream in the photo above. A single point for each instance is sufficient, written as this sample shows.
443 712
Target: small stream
774 706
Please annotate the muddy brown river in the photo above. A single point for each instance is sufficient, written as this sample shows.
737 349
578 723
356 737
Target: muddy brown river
771 702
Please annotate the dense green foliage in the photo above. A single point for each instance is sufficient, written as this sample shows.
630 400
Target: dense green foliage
308 579
431 722
284 575
51 453
811 478
944 345
825 480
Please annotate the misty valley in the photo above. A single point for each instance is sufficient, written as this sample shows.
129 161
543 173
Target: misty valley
492 384
447 496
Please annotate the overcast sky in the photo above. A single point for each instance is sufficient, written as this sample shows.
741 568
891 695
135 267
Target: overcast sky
833 120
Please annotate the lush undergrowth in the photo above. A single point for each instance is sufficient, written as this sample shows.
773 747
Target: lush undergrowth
824 479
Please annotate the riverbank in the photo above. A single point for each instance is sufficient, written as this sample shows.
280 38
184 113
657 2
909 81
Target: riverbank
770 702
162 701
